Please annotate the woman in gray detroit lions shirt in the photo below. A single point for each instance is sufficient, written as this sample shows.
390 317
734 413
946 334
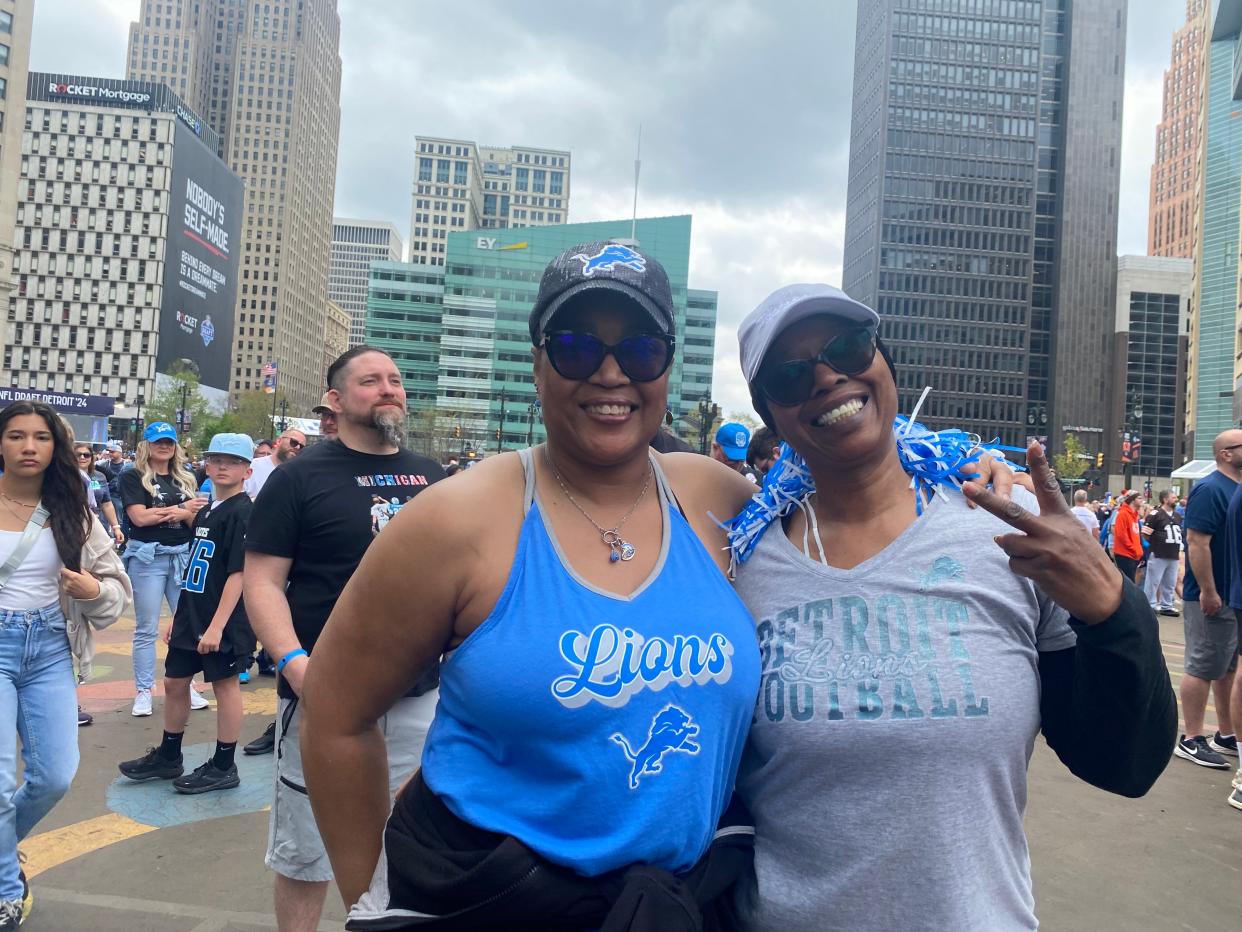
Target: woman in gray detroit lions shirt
909 661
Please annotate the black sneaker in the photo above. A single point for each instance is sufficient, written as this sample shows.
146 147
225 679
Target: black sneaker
1224 745
84 717
264 743
206 778
12 914
1170 613
152 767
1196 751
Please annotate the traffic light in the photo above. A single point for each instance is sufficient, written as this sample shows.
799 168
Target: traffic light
1099 461
498 435
457 432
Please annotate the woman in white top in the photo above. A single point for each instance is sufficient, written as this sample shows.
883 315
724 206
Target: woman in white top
69 578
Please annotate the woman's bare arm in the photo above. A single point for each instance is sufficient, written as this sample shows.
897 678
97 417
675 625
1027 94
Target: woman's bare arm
392 622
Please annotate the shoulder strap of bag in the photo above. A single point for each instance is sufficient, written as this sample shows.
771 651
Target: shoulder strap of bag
27 541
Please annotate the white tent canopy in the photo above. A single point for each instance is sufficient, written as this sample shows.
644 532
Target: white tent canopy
1195 469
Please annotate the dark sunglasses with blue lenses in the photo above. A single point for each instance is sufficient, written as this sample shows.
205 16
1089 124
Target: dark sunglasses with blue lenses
792 381
643 357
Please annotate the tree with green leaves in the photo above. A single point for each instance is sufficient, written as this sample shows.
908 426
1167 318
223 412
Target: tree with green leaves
168 401
1072 463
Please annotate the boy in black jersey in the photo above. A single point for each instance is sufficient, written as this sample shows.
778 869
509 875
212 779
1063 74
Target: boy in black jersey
210 631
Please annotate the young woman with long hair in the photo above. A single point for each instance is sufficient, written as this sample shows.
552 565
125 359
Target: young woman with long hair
68 579
159 499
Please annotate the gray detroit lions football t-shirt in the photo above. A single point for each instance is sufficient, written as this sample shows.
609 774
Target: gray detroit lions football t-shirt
886 764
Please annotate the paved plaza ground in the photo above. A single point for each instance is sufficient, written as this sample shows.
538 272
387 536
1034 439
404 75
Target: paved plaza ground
136 857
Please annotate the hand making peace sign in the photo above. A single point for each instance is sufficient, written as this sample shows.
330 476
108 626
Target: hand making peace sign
1068 565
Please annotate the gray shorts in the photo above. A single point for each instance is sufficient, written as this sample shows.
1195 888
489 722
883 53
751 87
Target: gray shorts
1211 641
294 848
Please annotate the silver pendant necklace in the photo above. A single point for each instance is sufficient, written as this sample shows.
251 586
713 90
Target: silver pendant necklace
619 549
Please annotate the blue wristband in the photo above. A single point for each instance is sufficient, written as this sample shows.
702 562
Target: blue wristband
280 665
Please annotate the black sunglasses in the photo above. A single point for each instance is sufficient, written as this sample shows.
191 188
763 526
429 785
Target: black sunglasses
296 444
792 381
643 357
84 455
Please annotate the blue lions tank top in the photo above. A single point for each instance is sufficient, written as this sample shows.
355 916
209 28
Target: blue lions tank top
599 730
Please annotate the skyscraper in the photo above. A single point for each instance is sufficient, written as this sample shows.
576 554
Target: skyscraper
15 21
125 247
267 76
459 332
982 206
1213 400
1172 207
355 245
460 185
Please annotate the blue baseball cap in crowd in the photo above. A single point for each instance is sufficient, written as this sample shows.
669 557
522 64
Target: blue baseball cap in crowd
734 439
239 445
160 430
112 445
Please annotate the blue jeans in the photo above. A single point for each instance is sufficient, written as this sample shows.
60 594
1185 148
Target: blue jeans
38 702
153 583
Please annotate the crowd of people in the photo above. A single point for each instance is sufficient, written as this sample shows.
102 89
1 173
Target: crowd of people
560 690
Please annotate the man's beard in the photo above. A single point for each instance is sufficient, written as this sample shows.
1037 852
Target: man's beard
390 422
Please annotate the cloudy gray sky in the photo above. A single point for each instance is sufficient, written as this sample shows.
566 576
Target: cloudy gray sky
744 106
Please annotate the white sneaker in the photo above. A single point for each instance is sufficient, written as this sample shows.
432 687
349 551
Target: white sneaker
142 703
196 700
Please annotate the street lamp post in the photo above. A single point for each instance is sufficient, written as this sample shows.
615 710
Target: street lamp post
1134 435
708 412
500 428
138 402
531 410
284 409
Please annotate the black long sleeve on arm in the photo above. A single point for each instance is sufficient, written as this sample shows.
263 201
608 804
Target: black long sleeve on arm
1114 684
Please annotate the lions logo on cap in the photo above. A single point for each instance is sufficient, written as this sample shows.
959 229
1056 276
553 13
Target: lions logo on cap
739 439
608 258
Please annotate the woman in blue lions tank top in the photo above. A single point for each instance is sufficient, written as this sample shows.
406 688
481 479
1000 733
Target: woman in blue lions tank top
599 674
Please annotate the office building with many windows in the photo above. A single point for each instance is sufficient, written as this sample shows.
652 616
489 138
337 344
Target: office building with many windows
1149 356
460 185
15 21
1172 208
1215 373
982 205
355 245
459 333
101 253
265 75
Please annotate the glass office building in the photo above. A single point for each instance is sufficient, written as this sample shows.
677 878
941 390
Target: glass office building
1214 335
982 205
460 336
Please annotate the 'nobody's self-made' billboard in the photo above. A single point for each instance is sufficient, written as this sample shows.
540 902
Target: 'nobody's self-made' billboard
201 268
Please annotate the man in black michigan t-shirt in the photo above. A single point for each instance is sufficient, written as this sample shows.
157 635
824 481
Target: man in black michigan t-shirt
310 527
1164 533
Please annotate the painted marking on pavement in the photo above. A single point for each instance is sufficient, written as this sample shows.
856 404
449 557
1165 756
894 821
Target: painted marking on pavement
209 914
51 849
156 804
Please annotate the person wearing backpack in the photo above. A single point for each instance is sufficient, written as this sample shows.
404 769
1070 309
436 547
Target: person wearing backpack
59 577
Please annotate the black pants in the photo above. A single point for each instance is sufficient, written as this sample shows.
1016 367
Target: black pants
1127 566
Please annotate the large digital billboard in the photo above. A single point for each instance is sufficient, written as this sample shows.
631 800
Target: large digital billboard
201 266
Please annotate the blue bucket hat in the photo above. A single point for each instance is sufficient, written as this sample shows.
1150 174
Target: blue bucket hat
238 445
160 430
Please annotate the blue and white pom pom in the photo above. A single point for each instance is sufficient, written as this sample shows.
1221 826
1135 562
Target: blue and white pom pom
935 460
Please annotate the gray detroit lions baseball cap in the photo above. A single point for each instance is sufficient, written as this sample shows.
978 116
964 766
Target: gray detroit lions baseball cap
785 307
611 267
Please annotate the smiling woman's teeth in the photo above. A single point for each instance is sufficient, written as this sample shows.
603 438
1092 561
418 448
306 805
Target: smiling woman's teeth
837 413
608 410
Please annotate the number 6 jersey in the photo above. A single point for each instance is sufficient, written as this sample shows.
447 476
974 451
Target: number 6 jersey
217 550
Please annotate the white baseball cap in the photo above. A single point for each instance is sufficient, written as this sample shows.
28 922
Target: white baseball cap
785 307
